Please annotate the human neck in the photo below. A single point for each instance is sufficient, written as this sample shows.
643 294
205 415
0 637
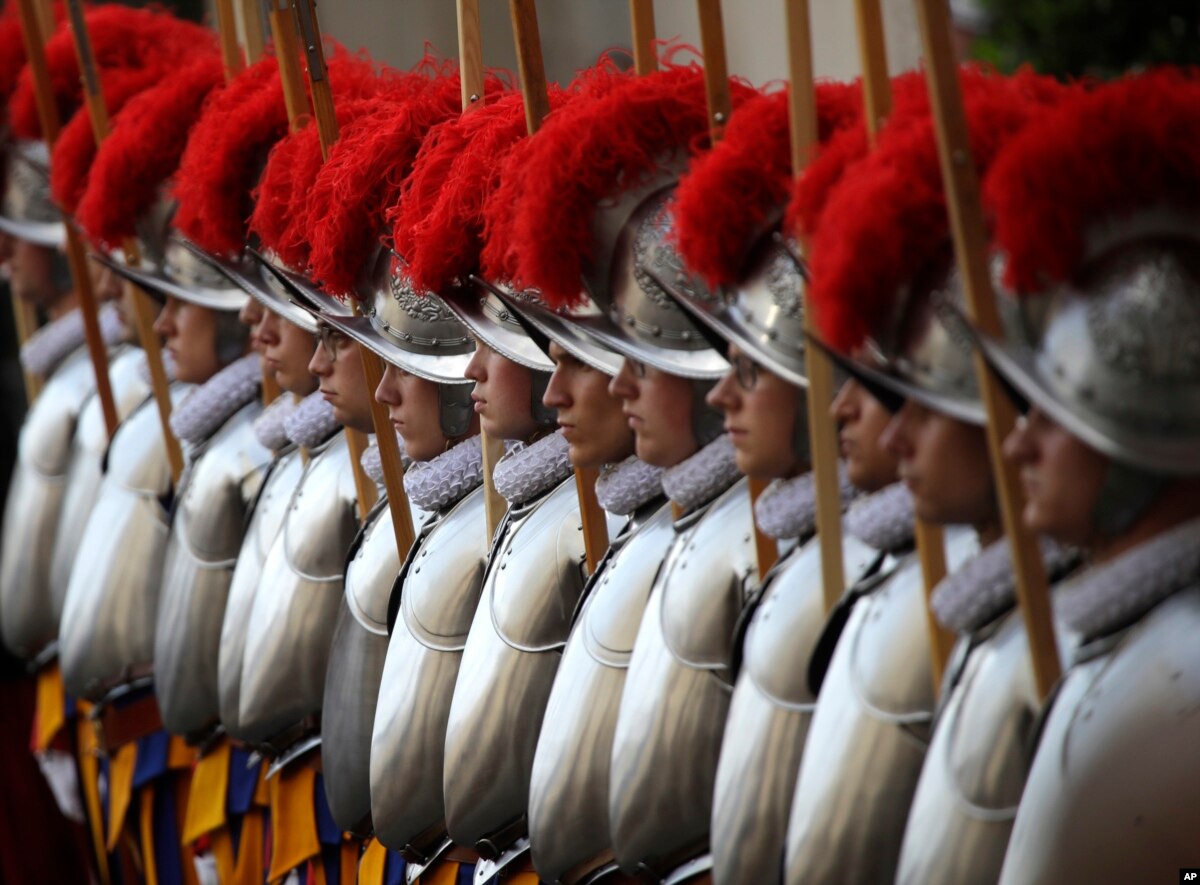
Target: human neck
1178 503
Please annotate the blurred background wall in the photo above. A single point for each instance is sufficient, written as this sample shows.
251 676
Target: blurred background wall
574 32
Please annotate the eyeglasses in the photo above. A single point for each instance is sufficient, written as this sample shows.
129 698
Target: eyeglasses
745 370
330 339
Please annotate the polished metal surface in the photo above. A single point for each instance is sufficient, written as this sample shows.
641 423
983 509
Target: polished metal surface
568 793
85 474
414 330
974 772
868 735
183 274
634 254
352 679
211 511
1111 795
439 594
763 314
107 628
27 209
769 716
295 609
677 691
34 505
269 511
1117 364
928 358
533 582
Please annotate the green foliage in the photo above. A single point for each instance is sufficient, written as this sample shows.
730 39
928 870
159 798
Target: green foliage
1100 38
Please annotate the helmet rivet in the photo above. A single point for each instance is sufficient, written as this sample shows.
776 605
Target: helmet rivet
655 331
434 342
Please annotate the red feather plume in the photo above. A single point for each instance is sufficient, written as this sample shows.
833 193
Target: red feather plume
910 101
229 144
505 182
345 217
1130 144
439 227
143 151
730 194
122 39
886 224
594 150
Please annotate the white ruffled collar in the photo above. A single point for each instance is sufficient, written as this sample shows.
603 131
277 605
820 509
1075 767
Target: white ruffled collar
623 488
984 587
883 519
529 470
311 422
1105 598
787 508
268 427
212 403
51 344
702 477
441 482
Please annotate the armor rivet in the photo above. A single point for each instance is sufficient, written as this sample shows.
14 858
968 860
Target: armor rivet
655 331
434 342
686 336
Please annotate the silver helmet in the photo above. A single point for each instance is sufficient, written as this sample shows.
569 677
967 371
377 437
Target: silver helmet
176 269
1117 358
27 210
418 333
250 275
276 277
926 355
763 314
544 324
633 256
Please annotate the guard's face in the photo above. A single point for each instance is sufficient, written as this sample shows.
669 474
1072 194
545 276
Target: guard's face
31 270
501 395
414 411
189 332
761 410
338 366
251 316
861 421
658 408
591 419
1061 476
287 350
944 462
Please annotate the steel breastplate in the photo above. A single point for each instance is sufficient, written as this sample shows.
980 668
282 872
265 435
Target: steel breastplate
291 622
1111 795
107 627
677 691
206 534
769 716
966 799
532 585
868 735
352 679
35 497
269 511
87 461
439 593
568 794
